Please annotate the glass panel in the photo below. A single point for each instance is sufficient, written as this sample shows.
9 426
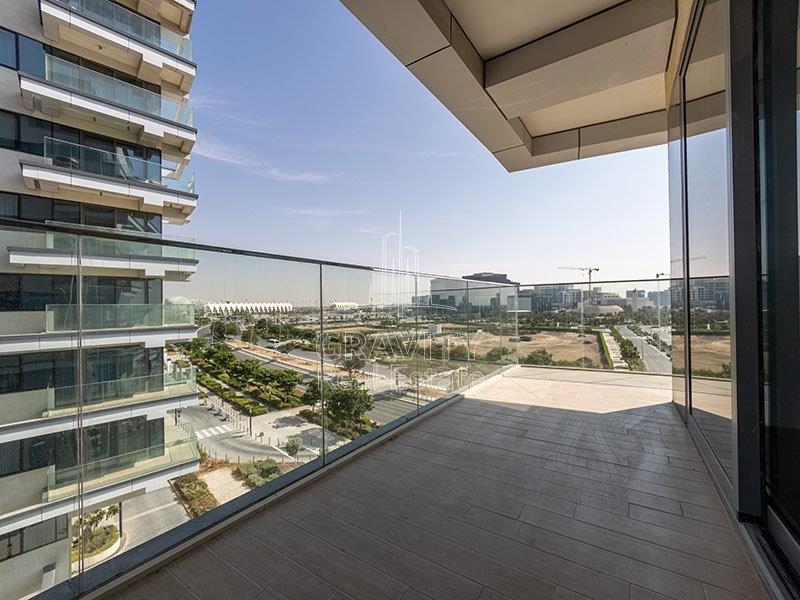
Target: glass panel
130 23
35 208
779 132
66 212
90 82
31 56
707 224
676 288
114 164
9 132
9 205
8 49
30 372
32 134
370 335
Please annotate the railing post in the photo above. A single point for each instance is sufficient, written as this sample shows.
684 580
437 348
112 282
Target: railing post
321 365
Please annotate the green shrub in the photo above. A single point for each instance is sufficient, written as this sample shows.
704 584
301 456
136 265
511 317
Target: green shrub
608 363
195 494
257 473
99 540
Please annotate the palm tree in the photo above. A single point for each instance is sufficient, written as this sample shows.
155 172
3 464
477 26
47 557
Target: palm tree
351 363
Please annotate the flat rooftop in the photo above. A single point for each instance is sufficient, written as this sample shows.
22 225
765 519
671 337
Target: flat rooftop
538 484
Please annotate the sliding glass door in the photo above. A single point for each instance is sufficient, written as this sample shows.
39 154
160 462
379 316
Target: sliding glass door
778 126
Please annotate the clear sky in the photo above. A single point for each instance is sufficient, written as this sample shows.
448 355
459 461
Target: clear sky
314 138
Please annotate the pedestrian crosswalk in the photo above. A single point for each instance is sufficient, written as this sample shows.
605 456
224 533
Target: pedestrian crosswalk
212 431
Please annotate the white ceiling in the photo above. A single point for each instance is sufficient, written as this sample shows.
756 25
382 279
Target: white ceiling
497 26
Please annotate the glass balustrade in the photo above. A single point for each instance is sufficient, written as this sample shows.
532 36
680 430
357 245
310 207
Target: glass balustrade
32 404
63 317
295 363
129 23
118 165
179 447
92 83
101 246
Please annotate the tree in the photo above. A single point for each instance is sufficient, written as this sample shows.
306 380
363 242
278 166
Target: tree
497 354
292 447
459 352
231 329
351 363
286 380
311 396
250 335
538 357
218 331
348 402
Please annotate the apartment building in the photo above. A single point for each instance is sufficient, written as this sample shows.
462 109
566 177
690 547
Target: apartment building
95 134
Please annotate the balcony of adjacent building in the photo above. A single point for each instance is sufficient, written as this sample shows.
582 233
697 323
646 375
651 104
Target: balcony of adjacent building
57 327
178 13
35 495
58 253
82 92
108 29
76 168
29 413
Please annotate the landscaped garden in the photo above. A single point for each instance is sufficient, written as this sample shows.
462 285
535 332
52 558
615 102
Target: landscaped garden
244 383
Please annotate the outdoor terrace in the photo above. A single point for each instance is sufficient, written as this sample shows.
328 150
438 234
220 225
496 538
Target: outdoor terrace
538 483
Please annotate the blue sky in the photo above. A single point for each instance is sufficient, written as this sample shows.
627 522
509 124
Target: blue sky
313 139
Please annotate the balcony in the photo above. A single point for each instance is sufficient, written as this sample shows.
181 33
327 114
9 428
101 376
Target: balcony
104 255
38 412
77 168
103 324
178 13
123 35
515 441
64 317
47 492
179 448
539 483
109 101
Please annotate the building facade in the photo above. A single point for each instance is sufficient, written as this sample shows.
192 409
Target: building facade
95 134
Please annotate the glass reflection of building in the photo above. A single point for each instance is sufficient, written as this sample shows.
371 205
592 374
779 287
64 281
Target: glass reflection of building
95 137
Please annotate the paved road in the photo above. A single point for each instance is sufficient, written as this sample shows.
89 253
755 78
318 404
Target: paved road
272 364
655 360
146 516
222 439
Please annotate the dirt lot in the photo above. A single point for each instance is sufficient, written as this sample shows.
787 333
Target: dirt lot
710 351
563 345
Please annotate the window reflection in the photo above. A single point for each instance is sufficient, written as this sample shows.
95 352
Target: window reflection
707 293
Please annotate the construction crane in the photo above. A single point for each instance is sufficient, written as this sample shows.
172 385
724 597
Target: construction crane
587 270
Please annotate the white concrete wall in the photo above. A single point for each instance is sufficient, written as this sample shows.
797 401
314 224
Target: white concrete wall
22 575
22 490
22 16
